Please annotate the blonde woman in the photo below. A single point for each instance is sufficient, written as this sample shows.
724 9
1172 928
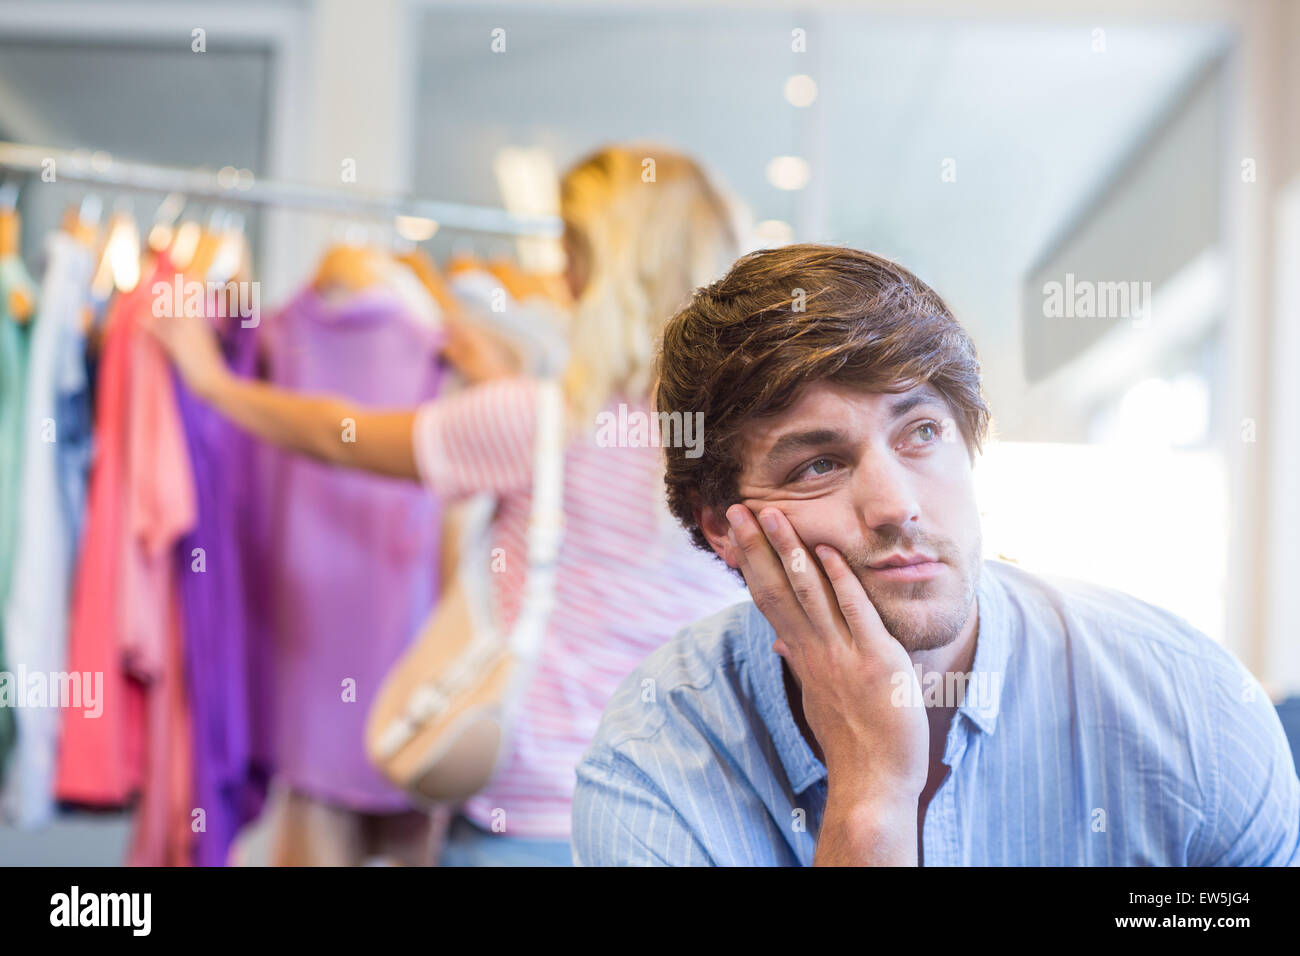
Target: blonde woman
643 227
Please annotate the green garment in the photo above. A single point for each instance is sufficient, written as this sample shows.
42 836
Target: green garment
13 366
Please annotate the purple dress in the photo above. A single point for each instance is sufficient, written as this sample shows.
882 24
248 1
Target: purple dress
221 664
351 558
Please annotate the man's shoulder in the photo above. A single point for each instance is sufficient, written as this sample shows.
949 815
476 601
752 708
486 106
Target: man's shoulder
1136 671
1099 619
1172 706
697 665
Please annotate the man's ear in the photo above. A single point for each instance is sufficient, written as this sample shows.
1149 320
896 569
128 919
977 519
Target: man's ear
713 522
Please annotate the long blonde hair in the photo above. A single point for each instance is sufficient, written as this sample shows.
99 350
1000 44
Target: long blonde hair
654 229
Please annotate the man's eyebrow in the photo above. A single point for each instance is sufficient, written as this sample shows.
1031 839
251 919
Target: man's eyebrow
816 437
901 406
820 437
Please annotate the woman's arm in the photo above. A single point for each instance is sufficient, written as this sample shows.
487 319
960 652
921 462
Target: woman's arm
327 428
324 427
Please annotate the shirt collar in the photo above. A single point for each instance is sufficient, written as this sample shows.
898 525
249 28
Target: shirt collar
981 704
983 700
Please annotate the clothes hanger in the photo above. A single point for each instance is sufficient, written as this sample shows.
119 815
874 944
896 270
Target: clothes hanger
185 241
227 257
228 260
9 221
401 278
208 245
350 265
347 269
509 275
463 258
81 220
162 234
555 289
118 266
21 302
474 349
525 284
426 270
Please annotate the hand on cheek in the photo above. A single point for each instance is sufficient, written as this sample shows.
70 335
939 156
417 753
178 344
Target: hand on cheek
846 662
732 556
750 516
808 541
730 546
752 510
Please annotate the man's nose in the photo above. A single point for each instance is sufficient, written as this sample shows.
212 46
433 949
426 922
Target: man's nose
884 496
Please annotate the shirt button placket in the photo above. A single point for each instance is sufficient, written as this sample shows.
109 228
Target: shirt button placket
948 795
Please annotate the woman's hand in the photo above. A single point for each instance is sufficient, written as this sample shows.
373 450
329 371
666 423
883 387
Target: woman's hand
478 354
191 343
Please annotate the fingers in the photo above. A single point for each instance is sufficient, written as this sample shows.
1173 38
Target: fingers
475 353
790 588
764 573
811 588
855 607
785 583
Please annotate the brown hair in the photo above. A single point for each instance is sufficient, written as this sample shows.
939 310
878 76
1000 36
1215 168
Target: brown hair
784 318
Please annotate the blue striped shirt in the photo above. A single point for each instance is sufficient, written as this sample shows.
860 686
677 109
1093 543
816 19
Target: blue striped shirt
1096 730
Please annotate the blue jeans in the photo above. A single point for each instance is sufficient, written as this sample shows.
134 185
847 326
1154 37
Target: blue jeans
468 844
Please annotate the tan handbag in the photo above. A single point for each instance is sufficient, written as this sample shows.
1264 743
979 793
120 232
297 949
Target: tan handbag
439 725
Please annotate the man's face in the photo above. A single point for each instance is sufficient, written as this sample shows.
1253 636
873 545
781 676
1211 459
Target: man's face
874 476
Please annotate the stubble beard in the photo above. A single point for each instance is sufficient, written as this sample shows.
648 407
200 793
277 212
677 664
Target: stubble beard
924 615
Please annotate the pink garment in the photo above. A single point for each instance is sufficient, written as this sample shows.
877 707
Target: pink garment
163 834
160 505
125 617
100 758
160 508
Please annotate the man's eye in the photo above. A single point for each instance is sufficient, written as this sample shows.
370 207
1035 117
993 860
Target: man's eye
813 471
927 432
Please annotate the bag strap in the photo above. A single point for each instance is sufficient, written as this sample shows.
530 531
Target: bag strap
545 523
545 529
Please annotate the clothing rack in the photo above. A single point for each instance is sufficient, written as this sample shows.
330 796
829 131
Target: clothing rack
228 186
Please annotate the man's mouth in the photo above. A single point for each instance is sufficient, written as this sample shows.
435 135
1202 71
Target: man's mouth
906 567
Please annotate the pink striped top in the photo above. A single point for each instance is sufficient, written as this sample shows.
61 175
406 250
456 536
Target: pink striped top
628 579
